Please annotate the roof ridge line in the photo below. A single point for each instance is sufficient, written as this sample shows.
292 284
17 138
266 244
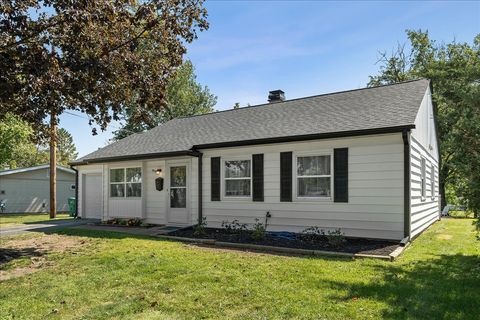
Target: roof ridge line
296 99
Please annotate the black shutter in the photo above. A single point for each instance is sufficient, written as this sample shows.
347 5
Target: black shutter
286 176
340 175
257 182
215 178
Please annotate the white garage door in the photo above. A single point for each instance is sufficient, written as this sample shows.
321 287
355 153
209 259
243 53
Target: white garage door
92 201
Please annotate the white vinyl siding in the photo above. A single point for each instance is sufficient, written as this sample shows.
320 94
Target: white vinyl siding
375 207
424 209
156 201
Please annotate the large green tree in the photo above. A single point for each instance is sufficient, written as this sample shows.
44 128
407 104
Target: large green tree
92 56
18 147
454 69
66 149
184 97
15 141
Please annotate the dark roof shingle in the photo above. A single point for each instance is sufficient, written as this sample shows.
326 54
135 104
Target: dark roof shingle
361 109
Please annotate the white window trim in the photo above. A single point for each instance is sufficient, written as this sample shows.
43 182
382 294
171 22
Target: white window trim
223 179
423 178
432 182
125 182
295 177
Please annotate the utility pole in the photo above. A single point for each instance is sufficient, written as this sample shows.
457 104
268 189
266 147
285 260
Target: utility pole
53 165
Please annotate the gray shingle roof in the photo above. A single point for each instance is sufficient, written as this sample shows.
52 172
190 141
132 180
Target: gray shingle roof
362 109
43 166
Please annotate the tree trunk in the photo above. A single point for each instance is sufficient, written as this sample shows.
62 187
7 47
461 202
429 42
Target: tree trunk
443 198
53 165
442 184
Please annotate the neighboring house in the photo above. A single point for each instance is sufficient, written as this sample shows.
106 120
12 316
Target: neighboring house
364 161
27 190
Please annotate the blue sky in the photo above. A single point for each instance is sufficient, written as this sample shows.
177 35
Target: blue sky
303 48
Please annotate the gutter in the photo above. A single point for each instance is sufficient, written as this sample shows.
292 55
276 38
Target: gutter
137 157
76 190
406 183
328 135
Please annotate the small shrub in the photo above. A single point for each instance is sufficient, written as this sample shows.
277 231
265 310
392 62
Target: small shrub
235 227
199 229
124 222
135 222
259 231
312 234
336 238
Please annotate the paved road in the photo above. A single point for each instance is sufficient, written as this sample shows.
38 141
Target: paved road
43 226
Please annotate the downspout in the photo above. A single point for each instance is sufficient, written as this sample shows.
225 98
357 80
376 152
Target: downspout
406 183
200 189
199 155
76 190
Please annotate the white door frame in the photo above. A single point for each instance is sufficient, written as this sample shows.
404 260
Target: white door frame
171 211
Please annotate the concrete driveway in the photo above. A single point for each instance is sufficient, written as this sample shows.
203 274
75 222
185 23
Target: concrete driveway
42 226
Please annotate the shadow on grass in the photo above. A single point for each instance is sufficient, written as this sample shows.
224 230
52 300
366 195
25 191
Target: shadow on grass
9 254
446 287
56 221
103 234
13 215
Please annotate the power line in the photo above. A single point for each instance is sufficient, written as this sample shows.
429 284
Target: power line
87 118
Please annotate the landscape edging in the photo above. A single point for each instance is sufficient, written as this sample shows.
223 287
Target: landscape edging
397 252
277 249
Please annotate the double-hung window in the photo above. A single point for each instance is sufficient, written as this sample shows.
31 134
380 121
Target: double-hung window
238 178
314 176
423 178
126 182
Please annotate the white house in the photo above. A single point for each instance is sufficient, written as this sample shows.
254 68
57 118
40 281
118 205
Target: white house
364 160
27 190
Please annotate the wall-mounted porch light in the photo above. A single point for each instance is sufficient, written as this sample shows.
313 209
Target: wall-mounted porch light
158 171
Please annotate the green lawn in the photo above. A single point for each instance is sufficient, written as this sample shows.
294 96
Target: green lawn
11 219
112 275
460 214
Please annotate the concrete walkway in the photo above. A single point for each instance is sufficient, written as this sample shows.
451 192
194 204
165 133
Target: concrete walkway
42 226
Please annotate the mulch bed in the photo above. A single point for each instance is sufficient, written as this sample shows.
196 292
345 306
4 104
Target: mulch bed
297 241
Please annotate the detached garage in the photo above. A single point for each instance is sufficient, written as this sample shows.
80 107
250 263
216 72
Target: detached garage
27 190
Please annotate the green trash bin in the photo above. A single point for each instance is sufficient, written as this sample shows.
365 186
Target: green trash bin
72 205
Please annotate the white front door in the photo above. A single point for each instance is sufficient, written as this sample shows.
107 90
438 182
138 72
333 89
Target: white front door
177 193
